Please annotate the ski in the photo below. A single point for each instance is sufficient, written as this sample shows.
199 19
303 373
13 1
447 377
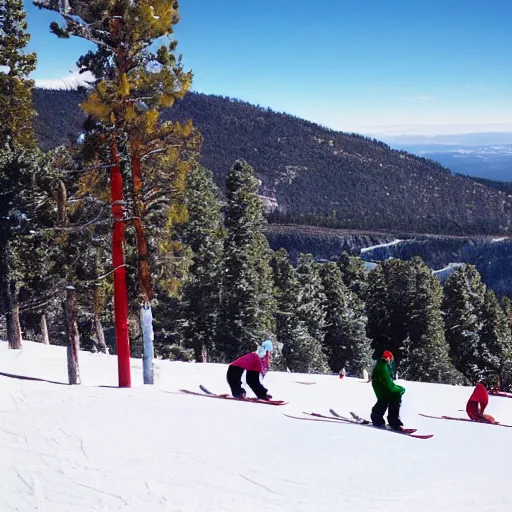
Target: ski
500 393
362 421
272 402
323 416
207 391
317 417
463 419
341 419
226 396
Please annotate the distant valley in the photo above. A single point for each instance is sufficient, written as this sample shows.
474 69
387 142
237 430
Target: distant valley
486 155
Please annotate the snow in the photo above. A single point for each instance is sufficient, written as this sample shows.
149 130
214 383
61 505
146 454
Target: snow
445 272
95 447
388 244
369 265
72 81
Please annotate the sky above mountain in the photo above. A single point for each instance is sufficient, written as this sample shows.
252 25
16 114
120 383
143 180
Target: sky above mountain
374 67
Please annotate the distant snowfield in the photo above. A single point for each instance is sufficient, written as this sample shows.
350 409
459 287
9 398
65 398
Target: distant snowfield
98 448
387 244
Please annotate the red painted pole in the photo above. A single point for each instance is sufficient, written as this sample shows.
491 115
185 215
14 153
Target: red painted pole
120 291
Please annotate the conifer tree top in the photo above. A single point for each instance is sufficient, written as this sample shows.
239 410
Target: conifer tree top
133 81
15 86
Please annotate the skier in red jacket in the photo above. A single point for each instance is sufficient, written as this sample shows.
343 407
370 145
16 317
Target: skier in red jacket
253 363
477 403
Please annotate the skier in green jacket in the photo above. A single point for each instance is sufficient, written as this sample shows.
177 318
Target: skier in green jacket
389 394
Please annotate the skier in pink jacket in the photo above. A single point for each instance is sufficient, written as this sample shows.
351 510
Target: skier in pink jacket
253 363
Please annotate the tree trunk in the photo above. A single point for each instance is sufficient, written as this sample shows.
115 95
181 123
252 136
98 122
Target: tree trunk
200 352
98 308
100 335
12 316
72 336
120 290
44 330
146 290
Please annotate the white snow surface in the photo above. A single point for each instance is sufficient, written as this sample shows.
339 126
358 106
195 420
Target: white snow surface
96 447
387 244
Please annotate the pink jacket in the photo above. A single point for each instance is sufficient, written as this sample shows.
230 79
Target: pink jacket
253 362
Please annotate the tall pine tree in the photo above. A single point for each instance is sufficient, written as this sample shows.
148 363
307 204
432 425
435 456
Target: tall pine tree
301 351
247 300
425 353
15 86
354 274
204 234
18 159
380 310
133 82
506 304
404 316
495 347
311 307
464 296
345 340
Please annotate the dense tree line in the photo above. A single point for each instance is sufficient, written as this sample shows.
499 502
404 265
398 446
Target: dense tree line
197 251
493 259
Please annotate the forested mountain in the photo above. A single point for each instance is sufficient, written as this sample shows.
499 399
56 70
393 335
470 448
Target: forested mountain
313 175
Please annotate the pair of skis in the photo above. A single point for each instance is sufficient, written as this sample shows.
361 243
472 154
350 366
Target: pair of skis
207 393
356 420
463 419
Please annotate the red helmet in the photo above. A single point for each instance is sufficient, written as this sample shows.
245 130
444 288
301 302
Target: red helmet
387 353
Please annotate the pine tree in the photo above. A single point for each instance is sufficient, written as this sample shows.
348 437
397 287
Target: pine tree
425 353
15 86
17 168
495 347
18 158
404 316
77 219
354 274
380 310
311 307
506 304
301 351
132 84
247 301
345 340
464 295
204 234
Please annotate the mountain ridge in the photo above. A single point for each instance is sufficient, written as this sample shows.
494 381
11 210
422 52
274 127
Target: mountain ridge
312 175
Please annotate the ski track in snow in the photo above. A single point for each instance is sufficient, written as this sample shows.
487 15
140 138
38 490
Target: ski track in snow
95 447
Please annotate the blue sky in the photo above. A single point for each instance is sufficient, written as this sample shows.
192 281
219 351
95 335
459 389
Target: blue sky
416 66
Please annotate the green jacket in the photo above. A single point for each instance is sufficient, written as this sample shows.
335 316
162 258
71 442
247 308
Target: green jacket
383 384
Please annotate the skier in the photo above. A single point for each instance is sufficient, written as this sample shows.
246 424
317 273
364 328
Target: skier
253 363
389 394
477 403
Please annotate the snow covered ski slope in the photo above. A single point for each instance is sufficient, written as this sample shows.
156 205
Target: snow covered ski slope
95 447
